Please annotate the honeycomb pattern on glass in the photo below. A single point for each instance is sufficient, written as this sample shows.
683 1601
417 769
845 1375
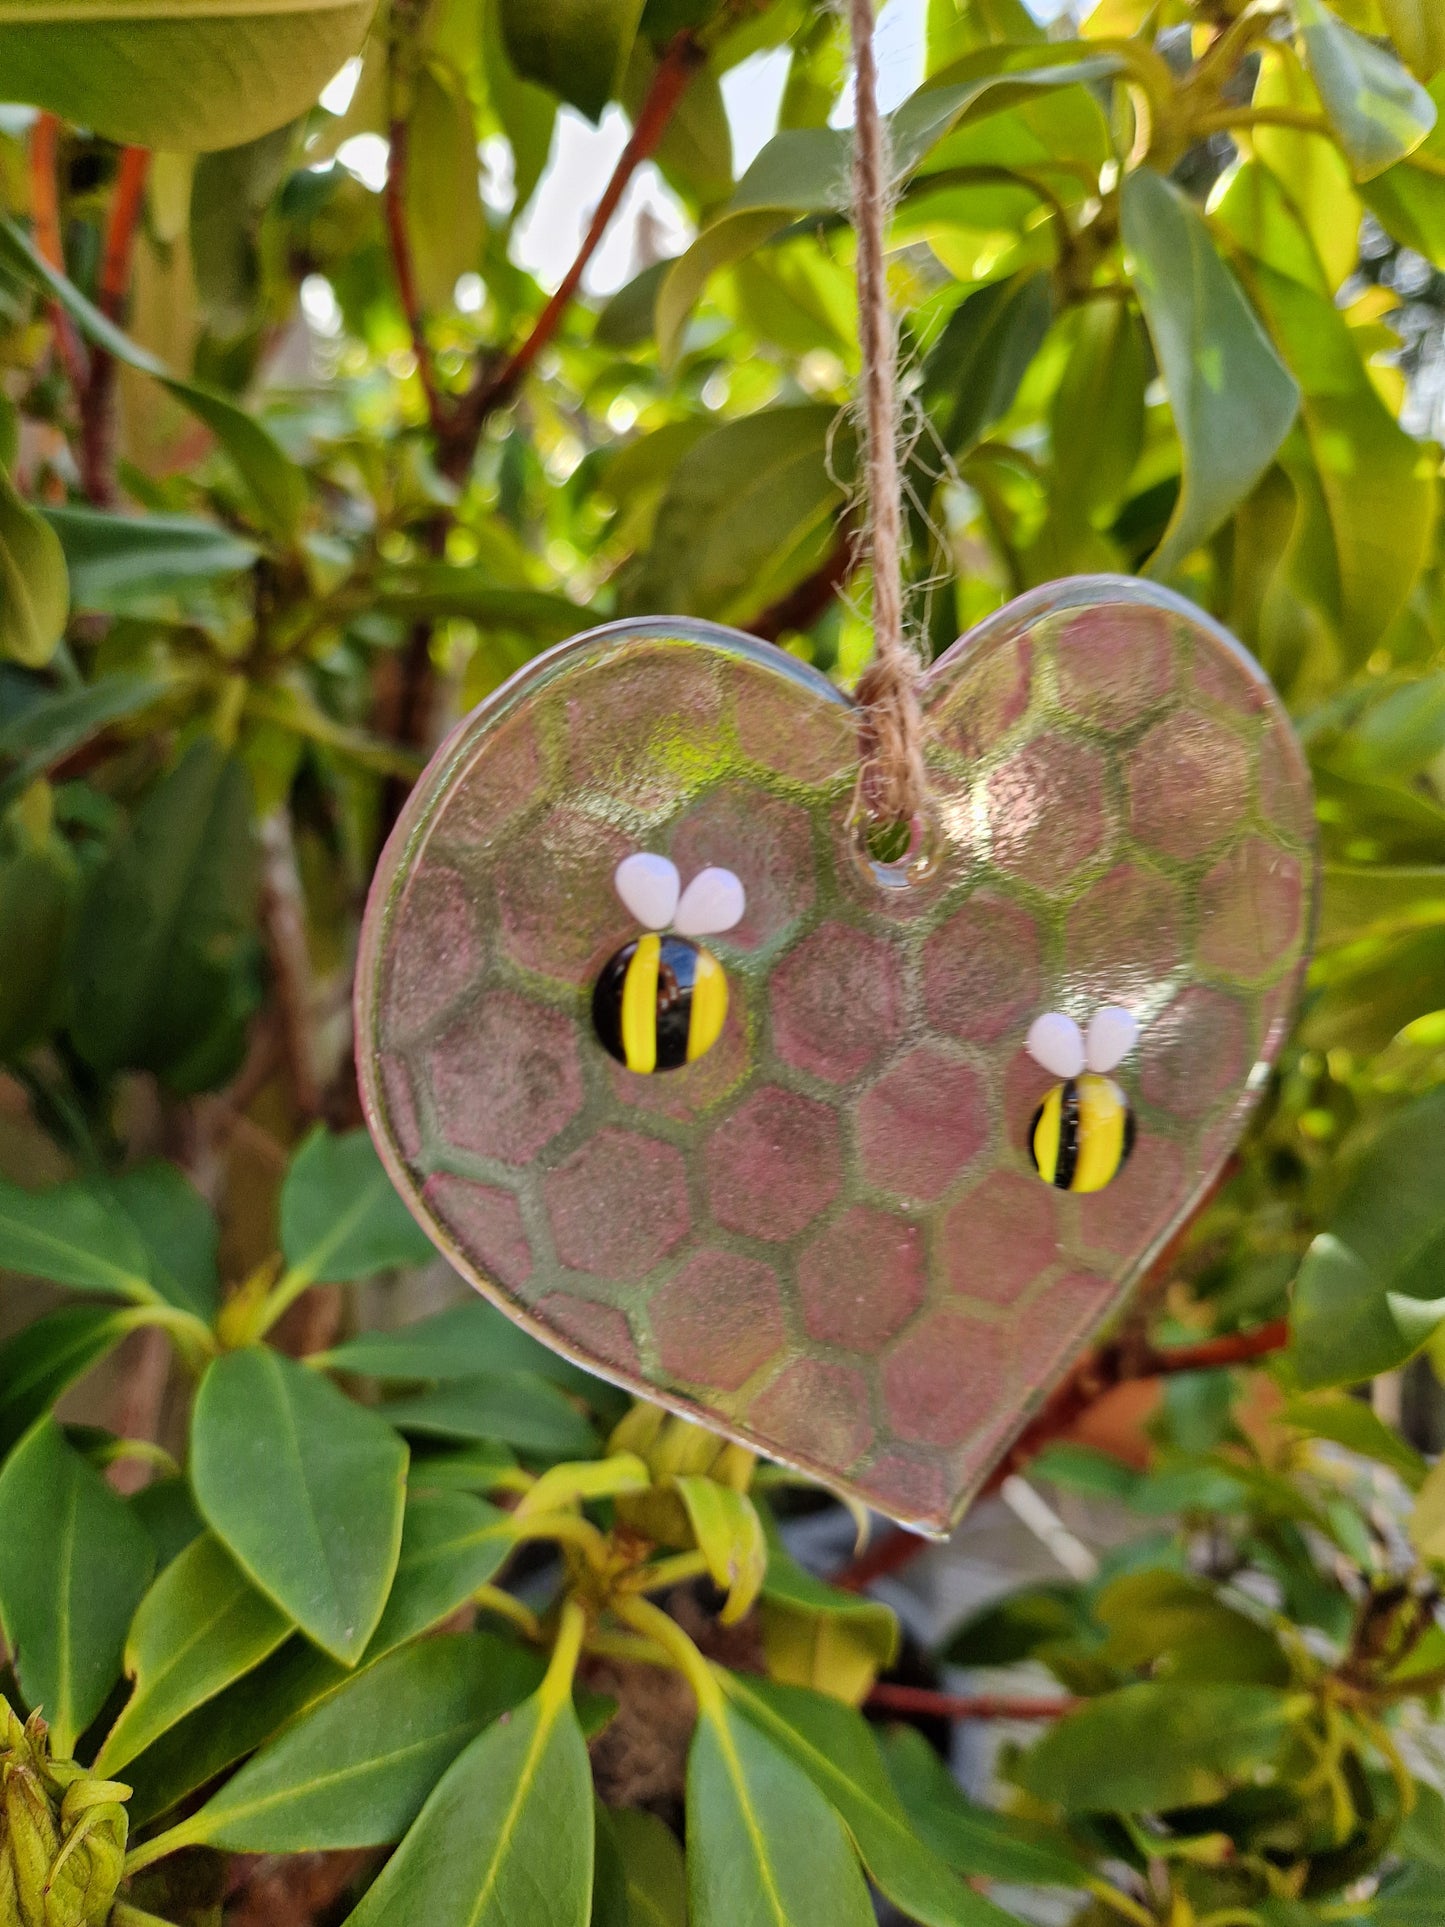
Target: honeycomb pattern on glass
825 1237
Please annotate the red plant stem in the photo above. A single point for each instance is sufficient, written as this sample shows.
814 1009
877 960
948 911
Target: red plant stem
97 420
404 268
924 1701
45 212
1101 1372
669 83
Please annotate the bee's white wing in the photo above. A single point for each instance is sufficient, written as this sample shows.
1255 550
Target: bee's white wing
711 903
1112 1034
648 886
1055 1043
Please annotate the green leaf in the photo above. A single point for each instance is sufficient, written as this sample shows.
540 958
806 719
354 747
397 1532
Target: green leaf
176 74
417 591
74 1236
1233 400
39 887
451 1543
972 1839
277 487
179 1232
1362 1301
1152 1747
356 1770
1410 198
61 721
973 370
805 170
341 1218
44 1358
512 1407
764 1848
74 1562
1353 1424
114 559
528 113
835 1747
1378 489
506 1837
460 1342
201 1625
1378 111
443 185
464 1468
816 1635
585 1481
652 1867
1097 420
1427 1521
306 1490
730 1537
738 513
161 975
577 48
1417 28
34 590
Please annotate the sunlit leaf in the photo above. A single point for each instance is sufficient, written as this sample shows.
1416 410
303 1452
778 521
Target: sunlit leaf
1378 111
34 588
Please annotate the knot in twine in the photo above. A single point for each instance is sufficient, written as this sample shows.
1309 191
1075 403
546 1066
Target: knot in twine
892 780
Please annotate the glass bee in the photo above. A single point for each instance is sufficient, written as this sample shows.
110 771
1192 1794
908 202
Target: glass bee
662 1000
1083 1132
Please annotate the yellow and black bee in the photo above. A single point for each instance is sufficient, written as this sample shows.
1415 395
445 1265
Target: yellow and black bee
1083 1132
661 1002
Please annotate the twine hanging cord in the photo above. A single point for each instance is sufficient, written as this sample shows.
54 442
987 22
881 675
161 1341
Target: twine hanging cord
892 780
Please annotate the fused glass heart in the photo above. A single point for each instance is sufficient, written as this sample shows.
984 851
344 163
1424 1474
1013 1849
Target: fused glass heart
828 1236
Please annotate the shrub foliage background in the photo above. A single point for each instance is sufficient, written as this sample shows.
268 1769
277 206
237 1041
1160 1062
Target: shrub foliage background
248 567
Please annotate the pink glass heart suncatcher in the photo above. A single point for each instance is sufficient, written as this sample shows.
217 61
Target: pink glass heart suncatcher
827 1236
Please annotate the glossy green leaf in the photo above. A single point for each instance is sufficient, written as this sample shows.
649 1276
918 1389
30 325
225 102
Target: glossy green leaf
431 589
609 1883
764 1847
1315 185
201 1625
305 1489
460 1342
730 1537
805 170
74 1562
835 1747
34 589
1409 198
738 512
44 1358
506 1836
512 1407
176 74
76 1236
178 1230
481 1467
1097 419
62 720
167 1509
527 112
1378 490
161 978
1367 1296
973 370
277 487
356 1770
341 1218
1152 1747
972 1839
443 185
451 1543
1378 111
1233 400
114 559
577 48
1356 1426
816 1635
653 1869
